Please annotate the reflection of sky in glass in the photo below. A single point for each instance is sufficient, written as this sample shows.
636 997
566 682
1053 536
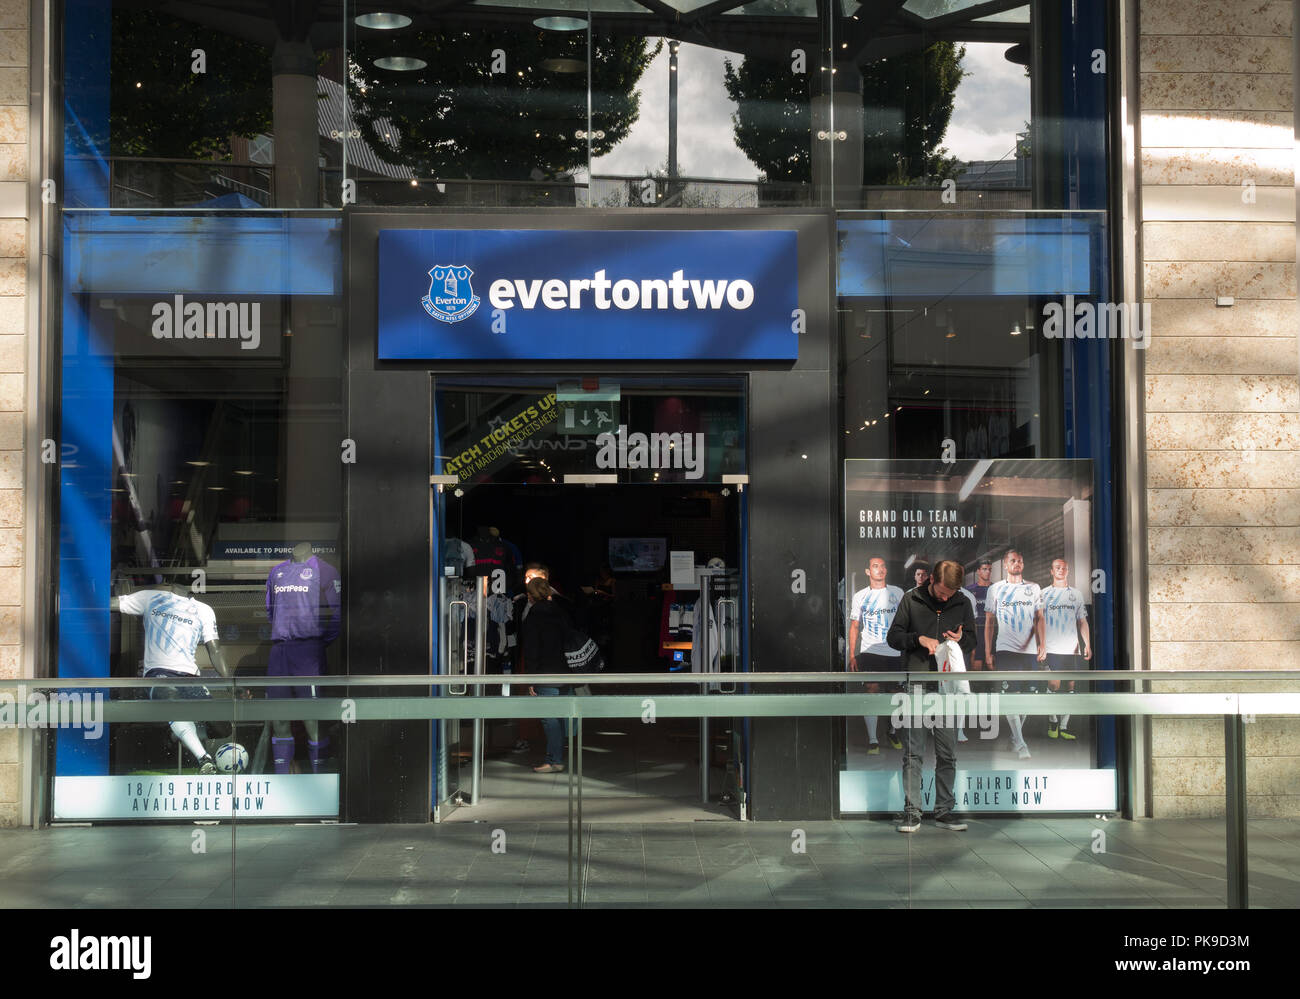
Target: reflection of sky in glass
992 105
706 145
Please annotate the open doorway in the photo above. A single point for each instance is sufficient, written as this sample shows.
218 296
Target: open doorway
608 549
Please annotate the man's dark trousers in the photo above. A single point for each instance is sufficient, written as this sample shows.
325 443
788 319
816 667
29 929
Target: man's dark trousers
945 770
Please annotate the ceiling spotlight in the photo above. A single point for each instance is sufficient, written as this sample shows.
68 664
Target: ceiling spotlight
561 23
1015 330
400 64
382 22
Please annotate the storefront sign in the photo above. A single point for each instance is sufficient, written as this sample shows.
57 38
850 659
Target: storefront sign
189 797
512 294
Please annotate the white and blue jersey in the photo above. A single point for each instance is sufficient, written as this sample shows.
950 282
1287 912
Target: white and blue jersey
302 600
874 611
1063 608
1014 606
174 626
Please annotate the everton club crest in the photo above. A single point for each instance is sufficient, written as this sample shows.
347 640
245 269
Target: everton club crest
451 298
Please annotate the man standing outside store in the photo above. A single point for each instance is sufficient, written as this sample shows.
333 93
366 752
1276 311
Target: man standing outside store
1011 610
927 616
1065 618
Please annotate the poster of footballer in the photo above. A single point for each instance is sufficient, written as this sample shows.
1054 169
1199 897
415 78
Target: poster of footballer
1022 532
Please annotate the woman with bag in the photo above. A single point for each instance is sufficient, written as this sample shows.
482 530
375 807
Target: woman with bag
543 633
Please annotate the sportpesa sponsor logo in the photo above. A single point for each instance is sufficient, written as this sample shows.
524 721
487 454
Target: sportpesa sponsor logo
292 588
172 617
676 293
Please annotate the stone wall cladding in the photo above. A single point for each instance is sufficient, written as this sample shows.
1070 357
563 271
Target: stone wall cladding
1217 174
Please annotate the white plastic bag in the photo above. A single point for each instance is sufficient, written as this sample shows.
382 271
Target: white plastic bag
950 660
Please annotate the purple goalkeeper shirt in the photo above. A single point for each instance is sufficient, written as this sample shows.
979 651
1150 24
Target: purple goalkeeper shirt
302 600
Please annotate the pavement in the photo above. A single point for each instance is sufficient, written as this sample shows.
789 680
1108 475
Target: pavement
853 863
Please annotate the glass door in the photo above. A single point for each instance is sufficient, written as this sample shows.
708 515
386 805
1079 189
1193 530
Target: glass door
458 641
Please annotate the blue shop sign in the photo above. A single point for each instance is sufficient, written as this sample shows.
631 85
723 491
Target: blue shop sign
556 295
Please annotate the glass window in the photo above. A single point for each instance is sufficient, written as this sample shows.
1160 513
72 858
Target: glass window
202 414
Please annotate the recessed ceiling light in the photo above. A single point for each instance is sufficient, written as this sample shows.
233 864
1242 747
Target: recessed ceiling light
199 464
243 471
561 23
383 22
400 64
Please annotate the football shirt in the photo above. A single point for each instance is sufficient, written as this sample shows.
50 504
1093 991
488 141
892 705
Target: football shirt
874 611
1063 608
173 628
302 600
1014 606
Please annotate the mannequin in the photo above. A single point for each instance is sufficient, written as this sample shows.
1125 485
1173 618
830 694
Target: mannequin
303 606
175 624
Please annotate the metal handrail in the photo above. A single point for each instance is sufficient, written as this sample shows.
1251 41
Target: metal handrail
653 679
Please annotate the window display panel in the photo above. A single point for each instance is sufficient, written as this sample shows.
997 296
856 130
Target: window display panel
201 511
1020 533
963 397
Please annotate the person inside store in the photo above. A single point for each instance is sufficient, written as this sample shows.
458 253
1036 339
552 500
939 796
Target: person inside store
599 601
927 616
542 633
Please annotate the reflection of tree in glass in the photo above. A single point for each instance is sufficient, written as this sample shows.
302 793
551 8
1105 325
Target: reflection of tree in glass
907 105
456 118
174 112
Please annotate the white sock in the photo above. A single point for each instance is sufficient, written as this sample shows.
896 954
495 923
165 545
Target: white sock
1065 720
188 734
1017 739
1052 719
871 727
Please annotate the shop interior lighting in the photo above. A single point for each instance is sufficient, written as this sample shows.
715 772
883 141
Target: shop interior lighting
1016 330
561 23
400 64
382 21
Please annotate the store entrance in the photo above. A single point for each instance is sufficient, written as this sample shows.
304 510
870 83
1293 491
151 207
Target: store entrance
651 570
